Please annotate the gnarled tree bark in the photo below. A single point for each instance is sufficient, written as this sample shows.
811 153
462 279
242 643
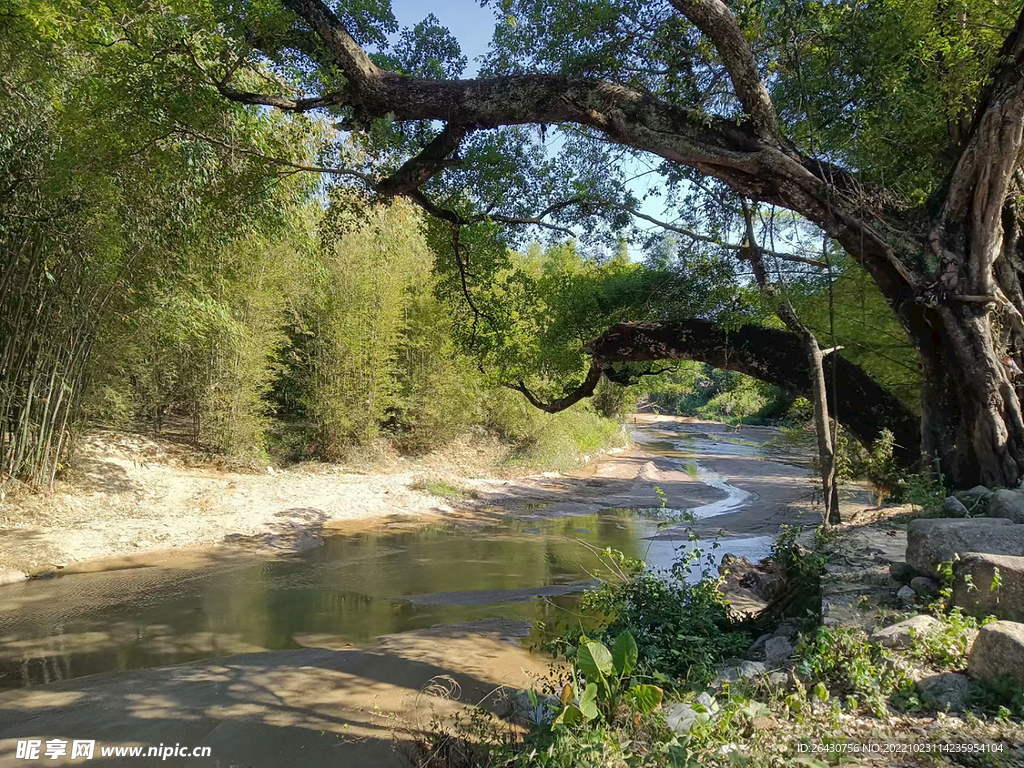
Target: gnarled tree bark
777 357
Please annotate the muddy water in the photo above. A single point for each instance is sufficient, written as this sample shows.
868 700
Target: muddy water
352 590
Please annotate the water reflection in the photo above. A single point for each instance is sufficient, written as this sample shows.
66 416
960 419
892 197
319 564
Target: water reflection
352 590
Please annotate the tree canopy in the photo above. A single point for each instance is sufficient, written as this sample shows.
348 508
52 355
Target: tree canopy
889 132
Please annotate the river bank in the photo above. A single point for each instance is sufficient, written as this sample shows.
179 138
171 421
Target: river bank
138 499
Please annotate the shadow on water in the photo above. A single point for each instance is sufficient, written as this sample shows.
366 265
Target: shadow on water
351 591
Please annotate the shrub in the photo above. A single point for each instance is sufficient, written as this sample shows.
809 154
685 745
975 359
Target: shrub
682 630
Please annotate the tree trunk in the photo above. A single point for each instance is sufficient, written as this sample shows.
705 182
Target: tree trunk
815 370
971 426
777 357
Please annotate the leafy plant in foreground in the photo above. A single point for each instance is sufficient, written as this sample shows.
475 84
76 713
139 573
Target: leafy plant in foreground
607 682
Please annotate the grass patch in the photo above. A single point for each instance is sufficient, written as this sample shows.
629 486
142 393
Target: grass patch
443 489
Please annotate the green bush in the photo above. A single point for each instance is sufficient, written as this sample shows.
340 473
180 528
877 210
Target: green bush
560 441
682 630
844 662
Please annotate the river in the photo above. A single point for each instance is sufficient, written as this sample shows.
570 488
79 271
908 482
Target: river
357 588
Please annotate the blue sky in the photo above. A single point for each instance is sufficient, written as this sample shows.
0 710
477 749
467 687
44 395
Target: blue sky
466 20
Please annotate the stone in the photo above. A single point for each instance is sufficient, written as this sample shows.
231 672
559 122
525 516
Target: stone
682 717
975 499
789 629
902 634
953 507
998 652
973 576
944 692
906 595
11 576
924 586
739 670
1007 504
756 651
933 541
777 651
901 572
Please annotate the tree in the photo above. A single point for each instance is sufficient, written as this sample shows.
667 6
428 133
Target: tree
942 243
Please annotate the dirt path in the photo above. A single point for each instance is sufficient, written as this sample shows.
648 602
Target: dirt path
135 498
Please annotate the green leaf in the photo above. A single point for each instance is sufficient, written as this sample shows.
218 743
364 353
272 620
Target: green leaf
625 653
594 660
570 715
646 698
588 702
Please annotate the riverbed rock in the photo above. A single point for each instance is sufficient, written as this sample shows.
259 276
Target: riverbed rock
1007 504
953 507
998 652
777 651
975 499
682 717
11 576
944 692
932 541
924 586
973 589
902 634
738 669
906 595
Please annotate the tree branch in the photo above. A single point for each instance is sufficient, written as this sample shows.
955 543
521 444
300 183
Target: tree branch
434 157
979 183
714 19
586 389
777 357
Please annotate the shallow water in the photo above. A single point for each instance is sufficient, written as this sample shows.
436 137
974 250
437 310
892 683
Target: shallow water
352 590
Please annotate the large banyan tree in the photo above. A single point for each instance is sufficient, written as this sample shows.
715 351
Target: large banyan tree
892 126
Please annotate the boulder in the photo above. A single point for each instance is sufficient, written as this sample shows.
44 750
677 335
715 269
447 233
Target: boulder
924 586
1007 504
932 541
907 595
998 652
953 507
756 651
974 575
777 651
902 634
975 499
944 692
738 669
